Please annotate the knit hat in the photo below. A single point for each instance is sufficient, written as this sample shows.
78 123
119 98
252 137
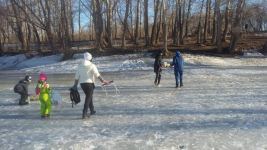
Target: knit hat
43 77
27 78
87 56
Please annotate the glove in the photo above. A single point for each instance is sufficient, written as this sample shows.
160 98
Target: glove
74 87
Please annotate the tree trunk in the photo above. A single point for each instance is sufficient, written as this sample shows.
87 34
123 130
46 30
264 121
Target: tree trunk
165 40
180 22
39 46
109 22
226 21
48 29
136 23
209 22
176 25
140 23
116 27
199 23
2 39
19 28
79 22
146 22
182 25
237 26
219 26
125 24
265 48
131 13
187 18
155 23
98 24
159 24
206 22
214 26
71 21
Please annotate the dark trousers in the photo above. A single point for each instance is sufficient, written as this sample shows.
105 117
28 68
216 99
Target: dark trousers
158 76
88 89
23 96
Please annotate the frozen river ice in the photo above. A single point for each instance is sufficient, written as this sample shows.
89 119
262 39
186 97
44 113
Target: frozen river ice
218 108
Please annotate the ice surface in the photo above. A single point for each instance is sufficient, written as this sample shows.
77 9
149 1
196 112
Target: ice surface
220 107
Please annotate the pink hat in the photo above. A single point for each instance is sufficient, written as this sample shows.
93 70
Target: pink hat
43 77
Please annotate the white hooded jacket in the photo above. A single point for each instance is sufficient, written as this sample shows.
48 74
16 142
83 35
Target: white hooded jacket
86 72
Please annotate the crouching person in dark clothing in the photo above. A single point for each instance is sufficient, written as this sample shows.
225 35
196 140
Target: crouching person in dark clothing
178 63
22 89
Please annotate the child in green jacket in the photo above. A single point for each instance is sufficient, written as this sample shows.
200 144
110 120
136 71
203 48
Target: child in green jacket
43 90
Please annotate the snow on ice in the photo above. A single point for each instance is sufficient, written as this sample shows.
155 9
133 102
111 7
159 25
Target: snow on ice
221 106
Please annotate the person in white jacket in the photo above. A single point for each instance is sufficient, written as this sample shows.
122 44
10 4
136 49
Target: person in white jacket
85 75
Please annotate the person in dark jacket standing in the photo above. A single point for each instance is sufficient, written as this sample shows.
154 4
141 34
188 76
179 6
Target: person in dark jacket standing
22 89
157 68
178 63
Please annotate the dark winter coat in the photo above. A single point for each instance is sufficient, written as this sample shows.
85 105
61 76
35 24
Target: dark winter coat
157 63
22 87
178 62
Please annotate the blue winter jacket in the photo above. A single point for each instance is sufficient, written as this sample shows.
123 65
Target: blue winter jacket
178 62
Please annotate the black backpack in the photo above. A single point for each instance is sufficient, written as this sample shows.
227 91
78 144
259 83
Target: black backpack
74 96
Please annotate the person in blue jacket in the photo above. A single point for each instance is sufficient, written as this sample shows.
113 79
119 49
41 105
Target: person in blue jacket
178 63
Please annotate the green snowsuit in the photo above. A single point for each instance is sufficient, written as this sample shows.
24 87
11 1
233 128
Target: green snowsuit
46 103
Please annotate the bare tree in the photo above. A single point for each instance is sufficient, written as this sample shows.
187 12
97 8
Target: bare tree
109 21
226 21
187 17
199 23
19 27
176 24
125 24
206 22
180 21
159 26
2 33
182 24
165 34
155 23
71 19
98 23
219 26
136 23
213 40
237 26
79 21
146 22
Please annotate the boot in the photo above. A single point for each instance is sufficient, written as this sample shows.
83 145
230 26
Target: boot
43 117
93 112
23 103
181 84
85 116
177 85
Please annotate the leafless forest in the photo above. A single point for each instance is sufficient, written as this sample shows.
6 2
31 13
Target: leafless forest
58 24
